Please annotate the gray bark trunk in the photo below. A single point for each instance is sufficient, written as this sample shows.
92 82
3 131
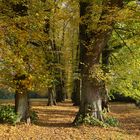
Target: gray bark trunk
22 107
22 98
91 100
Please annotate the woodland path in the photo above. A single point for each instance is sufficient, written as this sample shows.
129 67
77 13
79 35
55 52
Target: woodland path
55 124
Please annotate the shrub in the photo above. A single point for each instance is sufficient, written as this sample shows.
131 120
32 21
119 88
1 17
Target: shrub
7 114
93 121
90 120
111 121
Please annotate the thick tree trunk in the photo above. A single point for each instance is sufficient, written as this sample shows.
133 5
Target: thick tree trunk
91 100
22 97
22 106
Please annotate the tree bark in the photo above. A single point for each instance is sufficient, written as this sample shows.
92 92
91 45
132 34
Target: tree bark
105 68
105 97
22 106
51 97
76 92
91 100
60 93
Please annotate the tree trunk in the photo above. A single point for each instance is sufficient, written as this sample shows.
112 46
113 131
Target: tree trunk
51 97
60 92
105 97
22 106
105 68
76 92
60 95
91 100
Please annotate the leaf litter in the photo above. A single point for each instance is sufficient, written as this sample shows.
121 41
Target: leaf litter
55 123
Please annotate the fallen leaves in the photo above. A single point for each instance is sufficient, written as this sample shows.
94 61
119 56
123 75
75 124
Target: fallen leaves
55 124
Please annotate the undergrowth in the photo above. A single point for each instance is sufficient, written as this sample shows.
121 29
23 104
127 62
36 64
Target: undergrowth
8 115
90 120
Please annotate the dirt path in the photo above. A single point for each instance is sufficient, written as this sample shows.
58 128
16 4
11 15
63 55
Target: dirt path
55 124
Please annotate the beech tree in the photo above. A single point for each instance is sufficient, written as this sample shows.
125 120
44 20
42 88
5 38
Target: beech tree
94 40
23 63
92 43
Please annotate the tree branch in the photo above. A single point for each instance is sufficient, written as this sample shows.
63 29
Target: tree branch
123 41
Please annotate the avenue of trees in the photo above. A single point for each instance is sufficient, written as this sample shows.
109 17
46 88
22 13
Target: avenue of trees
79 49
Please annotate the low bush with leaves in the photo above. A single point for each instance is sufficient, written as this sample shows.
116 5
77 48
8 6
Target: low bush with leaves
111 121
90 120
7 114
93 121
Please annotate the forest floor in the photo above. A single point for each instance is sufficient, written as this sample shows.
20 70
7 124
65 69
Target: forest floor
55 124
